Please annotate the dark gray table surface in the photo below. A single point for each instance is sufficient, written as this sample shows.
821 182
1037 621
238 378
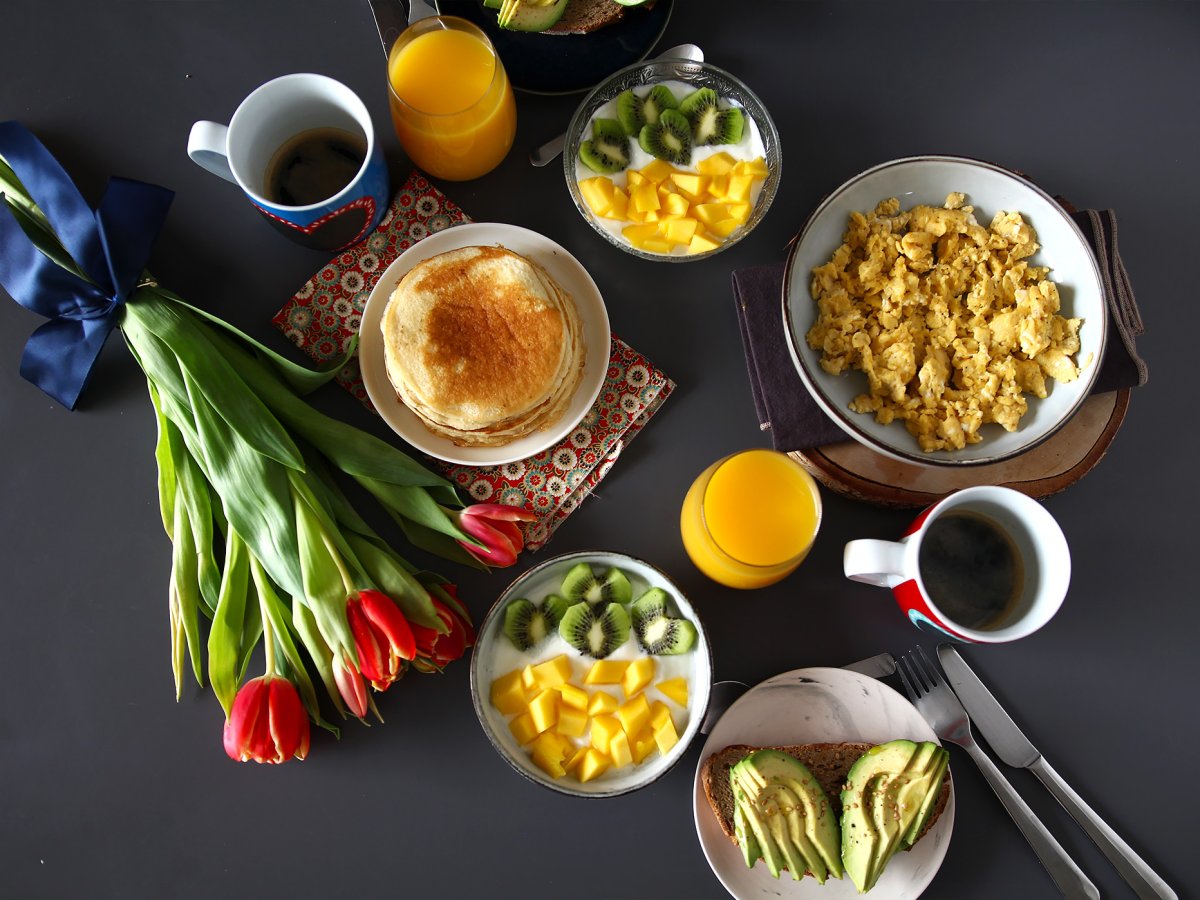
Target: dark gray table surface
110 788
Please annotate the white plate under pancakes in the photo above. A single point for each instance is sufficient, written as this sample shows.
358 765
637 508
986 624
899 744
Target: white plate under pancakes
562 266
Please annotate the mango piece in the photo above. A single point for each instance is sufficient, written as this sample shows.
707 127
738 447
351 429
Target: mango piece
642 746
620 205
725 227
632 215
718 186
508 693
575 697
666 737
739 188
575 758
593 765
656 245
602 703
689 183
679 230
739 212
717 164
708 213
611 671
644 197
702 244
659 714
553 672
619 750
604 729
527 678
548 753
638 674
652 216
675 689
677 204
523 728
756 167
634 715
544 710
633 176
571 722
658 170
597 193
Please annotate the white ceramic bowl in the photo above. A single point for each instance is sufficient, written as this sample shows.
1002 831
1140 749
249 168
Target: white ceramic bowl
695 75
989 188
494 655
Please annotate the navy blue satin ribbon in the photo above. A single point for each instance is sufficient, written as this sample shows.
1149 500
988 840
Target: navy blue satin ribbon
110 245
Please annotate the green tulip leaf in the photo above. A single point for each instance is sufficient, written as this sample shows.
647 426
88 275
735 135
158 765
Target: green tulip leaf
225 634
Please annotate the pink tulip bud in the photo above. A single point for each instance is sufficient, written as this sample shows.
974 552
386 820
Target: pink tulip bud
268 723
382 636
351 687
494 526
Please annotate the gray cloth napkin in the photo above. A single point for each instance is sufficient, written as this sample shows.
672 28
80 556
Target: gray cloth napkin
794 419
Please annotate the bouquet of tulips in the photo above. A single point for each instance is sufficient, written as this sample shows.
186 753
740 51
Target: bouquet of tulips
266 547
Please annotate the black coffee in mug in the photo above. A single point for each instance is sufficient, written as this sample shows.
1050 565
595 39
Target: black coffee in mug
971 568
314 165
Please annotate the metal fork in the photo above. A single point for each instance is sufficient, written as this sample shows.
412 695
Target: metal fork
940 707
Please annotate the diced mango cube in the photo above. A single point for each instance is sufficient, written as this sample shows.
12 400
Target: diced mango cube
619 750
611 671
717 164
675 689
659 714
739 188
544 710
739 211
634 714
548 753
571 722
597 193
718 186
594 763
644 197
633 176
708 213
756 167
575 758
651 216
620 205
702 244
677 204
576 697
632 215
657 171
523 728
527 678
725 227
604 729
508 693
690 183
553 672
638 674
642 746
656 245
602 703
666 737
679 230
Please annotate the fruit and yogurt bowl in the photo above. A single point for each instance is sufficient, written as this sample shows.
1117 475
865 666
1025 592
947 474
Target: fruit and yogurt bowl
591 674
672 160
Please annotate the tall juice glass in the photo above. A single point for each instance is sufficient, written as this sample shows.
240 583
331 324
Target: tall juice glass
750 519
451 101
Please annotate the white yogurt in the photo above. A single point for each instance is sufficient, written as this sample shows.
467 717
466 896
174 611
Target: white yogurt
749 147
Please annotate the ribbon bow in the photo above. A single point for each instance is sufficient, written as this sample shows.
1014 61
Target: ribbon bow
110 246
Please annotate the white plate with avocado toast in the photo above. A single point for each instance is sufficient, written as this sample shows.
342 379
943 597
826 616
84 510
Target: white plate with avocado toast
814 706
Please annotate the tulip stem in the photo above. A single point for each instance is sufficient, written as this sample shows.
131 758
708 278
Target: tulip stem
351 590
268 629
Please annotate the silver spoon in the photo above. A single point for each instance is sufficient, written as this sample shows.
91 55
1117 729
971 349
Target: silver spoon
551 150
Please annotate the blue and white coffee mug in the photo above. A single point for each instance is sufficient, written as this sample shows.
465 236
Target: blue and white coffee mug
274 115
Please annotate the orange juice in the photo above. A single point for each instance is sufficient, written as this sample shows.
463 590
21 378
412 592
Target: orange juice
451 100
750 519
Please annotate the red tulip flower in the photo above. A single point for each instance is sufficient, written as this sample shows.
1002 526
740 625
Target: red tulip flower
494 526
351 687
268 723
382 636
437 649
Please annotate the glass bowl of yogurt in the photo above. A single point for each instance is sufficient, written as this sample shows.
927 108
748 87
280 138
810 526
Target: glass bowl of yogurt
576 723
724 188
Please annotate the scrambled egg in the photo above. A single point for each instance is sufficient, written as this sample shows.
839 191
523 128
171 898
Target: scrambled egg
947 319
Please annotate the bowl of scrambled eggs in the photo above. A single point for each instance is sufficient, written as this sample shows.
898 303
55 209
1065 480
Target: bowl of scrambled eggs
944 311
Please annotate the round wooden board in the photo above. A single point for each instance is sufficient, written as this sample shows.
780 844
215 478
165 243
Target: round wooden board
854 471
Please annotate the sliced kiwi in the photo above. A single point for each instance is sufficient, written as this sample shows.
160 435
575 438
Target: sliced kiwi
711 124
581 583
659 633
633 111
608 150
595 631
527 624
670 138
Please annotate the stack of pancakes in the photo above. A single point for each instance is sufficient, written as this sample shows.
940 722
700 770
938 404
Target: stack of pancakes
483 345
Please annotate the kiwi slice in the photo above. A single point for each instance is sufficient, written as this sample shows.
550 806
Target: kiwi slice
581 583
710 124
527 624
670 138
633 111
659 633
608 150
595 631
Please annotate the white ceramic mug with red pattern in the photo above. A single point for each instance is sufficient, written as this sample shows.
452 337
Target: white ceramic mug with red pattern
983 565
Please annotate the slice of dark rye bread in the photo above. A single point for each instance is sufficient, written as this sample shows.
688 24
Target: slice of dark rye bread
584 16
829 763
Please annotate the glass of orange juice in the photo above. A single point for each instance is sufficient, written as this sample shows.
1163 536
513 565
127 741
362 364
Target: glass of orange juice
452 103
750 519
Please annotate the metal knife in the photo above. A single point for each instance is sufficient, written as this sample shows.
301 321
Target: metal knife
1011 745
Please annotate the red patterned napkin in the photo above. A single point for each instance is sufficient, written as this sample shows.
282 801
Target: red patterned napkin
324 315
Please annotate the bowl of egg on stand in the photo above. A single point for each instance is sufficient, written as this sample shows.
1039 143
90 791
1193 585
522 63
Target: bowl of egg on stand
944 311
672 160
